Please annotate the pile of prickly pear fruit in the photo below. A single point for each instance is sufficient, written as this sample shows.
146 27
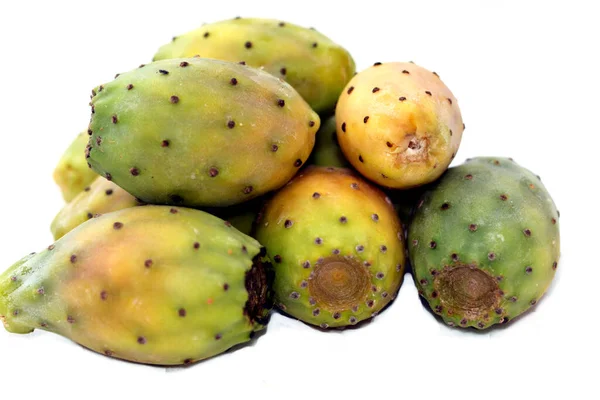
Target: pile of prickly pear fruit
249 167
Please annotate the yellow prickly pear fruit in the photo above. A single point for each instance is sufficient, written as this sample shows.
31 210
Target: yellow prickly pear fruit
313 64
337 247
72 174
399 125
100 197
153 284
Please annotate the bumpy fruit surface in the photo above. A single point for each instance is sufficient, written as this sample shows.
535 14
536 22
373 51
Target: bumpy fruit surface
314 65
327 152
399 125
484 243
72 174
100 197
199 132
153 284
337 247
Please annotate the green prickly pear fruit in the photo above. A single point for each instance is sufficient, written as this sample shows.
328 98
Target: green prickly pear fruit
312 63
327 152
484 243
199 132
100 197
72 174
337 247
399 125
154 284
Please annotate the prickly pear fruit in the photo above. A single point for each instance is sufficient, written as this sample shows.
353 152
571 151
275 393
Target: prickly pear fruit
154 284
398 125
72 173
100 197
337 247
484 243
327 152
199 132
314 65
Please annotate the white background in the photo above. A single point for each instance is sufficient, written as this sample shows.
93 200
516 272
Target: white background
526 76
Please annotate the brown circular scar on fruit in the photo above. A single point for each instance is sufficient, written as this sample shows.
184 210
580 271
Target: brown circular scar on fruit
468 290
337 283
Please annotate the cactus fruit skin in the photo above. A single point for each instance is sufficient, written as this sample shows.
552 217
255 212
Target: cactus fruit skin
199 132
484 243
72 174
154 284
336 246
399 125
327 152
314 65
100 197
